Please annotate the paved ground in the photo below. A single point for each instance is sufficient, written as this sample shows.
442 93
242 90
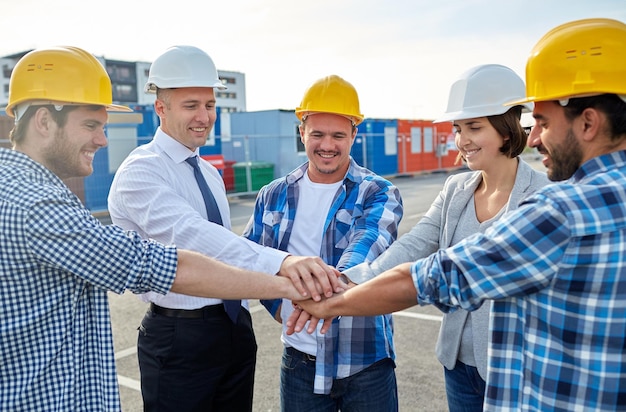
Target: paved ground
419 374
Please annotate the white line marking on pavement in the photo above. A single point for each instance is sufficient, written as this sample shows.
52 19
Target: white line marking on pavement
136 385
418 316
129 383
126 352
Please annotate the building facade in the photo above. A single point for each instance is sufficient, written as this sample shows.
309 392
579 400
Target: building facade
129 77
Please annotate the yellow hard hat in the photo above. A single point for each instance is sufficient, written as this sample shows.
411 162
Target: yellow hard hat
331 94
60 75
580 58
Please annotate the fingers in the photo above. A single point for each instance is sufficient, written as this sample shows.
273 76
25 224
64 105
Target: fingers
313 321
297 320
311 276
326 326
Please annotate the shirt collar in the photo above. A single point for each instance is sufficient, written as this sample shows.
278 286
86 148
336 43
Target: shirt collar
606 161
9 156
174 149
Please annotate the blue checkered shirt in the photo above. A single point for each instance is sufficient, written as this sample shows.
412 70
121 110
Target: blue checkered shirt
57 263
362 222
556 269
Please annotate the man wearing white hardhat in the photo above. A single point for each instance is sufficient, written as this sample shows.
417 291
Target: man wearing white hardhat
194 353
490 139
555 268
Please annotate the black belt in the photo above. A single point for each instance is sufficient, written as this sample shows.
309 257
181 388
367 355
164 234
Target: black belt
205 312
291 351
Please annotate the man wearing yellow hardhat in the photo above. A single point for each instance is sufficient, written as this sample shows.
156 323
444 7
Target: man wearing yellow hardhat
555 267
332 207
57 262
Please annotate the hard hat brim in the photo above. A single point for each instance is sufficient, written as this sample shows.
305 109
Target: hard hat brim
527 107
117 108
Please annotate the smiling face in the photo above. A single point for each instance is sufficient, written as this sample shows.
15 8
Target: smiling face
553 137
327 139
478 142
187 114
70 150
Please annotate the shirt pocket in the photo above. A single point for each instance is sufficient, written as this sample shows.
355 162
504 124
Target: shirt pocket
344 226
272 217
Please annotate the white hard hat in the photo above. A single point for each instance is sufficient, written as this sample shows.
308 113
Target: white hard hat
483 91
182 66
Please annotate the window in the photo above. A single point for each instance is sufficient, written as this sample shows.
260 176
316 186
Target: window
226 95
228 80
124 93
123 72
428 140
391 141
6 71
416 140
299 145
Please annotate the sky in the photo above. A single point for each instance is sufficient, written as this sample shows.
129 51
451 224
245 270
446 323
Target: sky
401 55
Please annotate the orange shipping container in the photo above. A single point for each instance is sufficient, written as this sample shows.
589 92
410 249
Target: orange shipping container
425 146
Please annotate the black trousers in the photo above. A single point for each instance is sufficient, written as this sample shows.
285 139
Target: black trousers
204 364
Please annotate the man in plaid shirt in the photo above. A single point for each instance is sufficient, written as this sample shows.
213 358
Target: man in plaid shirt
346 214
556 267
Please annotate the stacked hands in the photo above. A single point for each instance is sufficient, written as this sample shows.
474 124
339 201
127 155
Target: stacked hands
315 282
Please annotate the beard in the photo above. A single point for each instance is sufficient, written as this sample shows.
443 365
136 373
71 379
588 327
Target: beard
566 158
63 157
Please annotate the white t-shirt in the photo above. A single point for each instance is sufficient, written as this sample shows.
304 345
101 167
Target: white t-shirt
314 202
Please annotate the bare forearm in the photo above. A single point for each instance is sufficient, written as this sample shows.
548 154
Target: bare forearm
198 275
389 292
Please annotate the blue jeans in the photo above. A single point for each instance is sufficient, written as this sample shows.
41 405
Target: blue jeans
372 389
465 388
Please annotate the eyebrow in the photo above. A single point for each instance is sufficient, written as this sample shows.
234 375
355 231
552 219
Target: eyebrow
469 123
198 101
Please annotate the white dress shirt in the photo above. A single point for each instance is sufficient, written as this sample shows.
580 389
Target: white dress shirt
154 192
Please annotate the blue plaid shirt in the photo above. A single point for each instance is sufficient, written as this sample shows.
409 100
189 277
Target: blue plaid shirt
556 270
362 222
57 263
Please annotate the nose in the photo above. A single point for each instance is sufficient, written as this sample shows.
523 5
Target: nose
534 137
459 139
326 143
100 139
205 115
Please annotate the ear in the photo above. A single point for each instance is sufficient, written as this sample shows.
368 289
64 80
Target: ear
159 107
43 122
355 130
301 129
591 121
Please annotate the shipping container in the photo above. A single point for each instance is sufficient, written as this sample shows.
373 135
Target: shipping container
375 146
425 146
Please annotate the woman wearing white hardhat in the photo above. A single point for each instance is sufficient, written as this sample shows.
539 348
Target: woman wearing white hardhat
490 139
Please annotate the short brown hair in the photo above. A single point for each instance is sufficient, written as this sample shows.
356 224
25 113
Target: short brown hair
508 125
18 132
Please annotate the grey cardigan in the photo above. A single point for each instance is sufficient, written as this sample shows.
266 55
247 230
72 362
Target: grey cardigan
433 232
